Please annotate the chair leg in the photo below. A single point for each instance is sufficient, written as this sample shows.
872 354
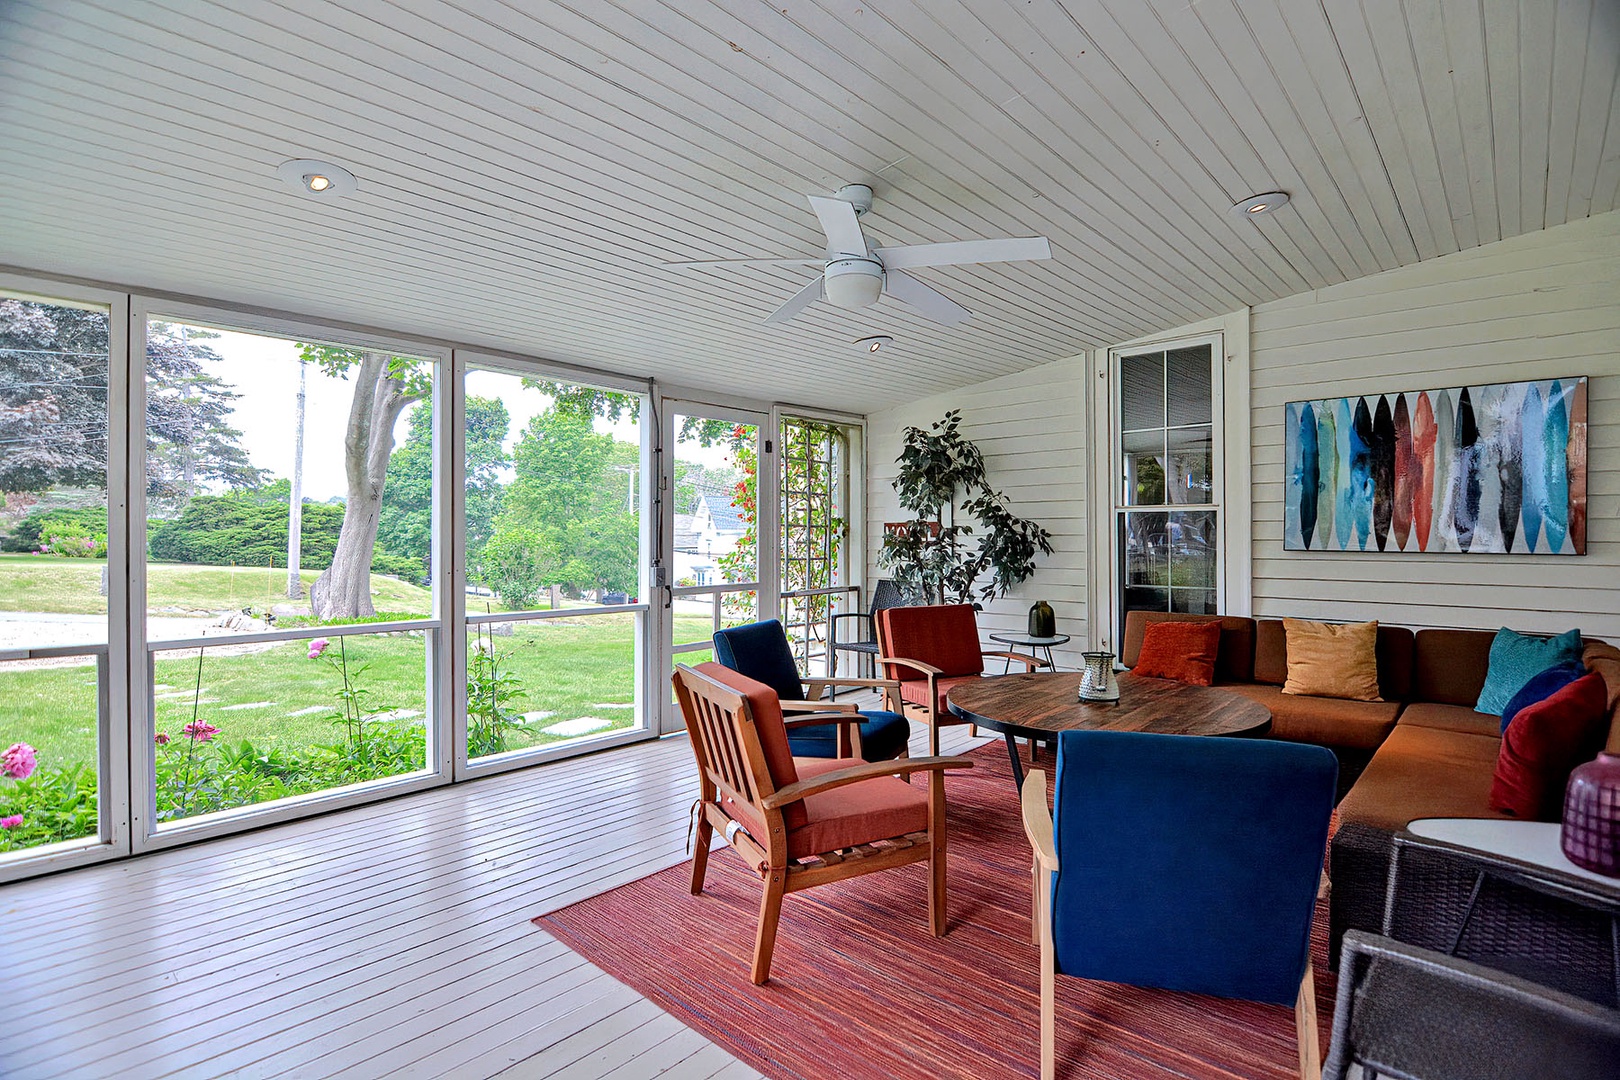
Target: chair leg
770 911
936 853
1310 1048
933 735
1043 934
700 850
1035 900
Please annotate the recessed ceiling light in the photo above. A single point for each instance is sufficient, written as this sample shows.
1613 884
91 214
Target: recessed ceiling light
1264 203
318 177
874 343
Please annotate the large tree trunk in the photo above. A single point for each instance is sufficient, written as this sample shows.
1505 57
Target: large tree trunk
343 591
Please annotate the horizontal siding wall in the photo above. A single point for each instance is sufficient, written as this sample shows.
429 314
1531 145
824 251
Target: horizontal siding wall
1031 428
1540 306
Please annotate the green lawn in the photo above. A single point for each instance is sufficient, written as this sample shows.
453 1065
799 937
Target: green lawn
278 698
46 583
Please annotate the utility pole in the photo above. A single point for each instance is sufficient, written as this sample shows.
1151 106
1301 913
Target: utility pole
295 503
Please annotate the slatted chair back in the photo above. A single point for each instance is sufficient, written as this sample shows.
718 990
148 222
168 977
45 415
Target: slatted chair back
741 744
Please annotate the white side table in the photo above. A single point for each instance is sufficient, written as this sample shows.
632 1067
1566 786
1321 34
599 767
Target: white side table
1533 842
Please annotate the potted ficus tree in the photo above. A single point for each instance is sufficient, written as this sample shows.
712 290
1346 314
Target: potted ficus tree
932 557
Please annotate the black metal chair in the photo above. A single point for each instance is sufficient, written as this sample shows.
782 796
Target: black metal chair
886 594
1412 1013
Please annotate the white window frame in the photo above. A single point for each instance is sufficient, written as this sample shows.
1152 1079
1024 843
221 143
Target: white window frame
1228 337
112 839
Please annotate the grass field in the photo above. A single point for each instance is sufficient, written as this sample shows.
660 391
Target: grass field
45 583
571 669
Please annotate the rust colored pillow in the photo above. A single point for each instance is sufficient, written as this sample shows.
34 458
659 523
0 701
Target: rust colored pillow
1183 651
1542 746
1334 660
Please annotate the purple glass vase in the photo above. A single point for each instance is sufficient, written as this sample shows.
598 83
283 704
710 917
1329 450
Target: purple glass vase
1591 834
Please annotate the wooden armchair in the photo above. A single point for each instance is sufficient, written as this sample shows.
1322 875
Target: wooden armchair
799 823
1181 863
928 650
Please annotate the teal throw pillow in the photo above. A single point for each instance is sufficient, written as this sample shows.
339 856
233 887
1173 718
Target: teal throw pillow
1516 659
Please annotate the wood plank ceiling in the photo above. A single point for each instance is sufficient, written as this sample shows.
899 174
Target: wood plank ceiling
526 167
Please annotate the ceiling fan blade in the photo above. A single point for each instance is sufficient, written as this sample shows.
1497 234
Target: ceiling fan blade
925 298
686 264
964 251
801 300
842 226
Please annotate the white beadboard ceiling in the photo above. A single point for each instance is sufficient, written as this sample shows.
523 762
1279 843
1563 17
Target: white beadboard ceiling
525 167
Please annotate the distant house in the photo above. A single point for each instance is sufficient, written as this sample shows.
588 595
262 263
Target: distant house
710 531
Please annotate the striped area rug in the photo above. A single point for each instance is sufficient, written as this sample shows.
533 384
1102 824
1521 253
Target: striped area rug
859 989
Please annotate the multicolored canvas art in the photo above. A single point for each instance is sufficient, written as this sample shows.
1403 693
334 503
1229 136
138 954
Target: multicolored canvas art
1478 469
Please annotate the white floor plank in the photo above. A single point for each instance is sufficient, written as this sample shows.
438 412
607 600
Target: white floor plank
388 940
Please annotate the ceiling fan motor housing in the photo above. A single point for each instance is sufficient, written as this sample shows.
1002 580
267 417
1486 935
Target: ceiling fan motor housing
852 283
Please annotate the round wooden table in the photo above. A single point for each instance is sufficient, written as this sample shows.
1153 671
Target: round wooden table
1041 705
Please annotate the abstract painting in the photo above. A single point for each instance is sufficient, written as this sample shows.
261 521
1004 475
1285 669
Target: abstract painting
1473 470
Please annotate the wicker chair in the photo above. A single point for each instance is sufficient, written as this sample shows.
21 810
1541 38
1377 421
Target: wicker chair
863 643
1412 1013
1553 928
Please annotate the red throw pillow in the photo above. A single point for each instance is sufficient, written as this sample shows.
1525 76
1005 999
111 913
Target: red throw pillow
1183 651
1542 746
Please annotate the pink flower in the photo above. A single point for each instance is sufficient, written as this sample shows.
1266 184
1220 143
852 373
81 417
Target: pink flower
18 761
161 739
317 647
11 822
199 731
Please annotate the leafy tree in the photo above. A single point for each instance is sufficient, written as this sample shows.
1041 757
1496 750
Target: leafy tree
384 386
53 405
565 511
405 521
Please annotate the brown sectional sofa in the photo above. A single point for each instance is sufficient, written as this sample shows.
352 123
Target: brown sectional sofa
1421 752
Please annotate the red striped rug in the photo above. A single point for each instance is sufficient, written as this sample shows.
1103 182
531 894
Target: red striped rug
859 988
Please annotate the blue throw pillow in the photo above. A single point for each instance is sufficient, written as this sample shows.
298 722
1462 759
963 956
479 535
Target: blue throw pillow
1541 687
1516 658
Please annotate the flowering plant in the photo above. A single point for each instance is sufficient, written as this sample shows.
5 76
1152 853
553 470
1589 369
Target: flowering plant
356 706
18 762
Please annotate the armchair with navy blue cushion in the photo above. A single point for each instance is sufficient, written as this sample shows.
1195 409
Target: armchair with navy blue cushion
760 650
1182 863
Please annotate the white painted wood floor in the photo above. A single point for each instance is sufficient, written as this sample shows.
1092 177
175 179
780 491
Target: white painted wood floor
391 940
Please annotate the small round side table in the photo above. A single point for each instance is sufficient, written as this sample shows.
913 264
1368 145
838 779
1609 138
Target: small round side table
1032 644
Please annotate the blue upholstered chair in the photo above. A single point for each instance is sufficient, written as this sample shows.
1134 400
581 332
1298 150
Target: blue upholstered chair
1184 863
760 650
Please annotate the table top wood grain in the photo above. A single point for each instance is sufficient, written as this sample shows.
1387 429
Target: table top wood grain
1041 704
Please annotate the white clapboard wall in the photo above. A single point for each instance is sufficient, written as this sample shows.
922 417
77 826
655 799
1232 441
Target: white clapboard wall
1539 306
1031 428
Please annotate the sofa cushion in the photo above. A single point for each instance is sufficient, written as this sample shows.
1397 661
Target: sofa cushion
1182 651
1234 660
1515 660
1542 685
1450 665
1423 772
1462 718
1332 660
1358 725
1395 660
1605 660
1542 747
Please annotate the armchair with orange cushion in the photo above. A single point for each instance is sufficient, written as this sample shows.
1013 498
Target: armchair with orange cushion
929 650
802 822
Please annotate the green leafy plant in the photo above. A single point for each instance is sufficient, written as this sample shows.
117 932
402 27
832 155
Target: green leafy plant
490 693
930 555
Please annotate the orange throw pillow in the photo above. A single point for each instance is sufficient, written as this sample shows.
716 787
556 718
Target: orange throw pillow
1183 651
1333 660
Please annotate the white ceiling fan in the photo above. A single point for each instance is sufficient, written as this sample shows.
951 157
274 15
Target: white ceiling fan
854 273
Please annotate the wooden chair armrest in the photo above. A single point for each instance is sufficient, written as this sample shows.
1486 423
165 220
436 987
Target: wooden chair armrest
814 687
915 665
1029 662
1037 819
819 706
856 773
851 717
